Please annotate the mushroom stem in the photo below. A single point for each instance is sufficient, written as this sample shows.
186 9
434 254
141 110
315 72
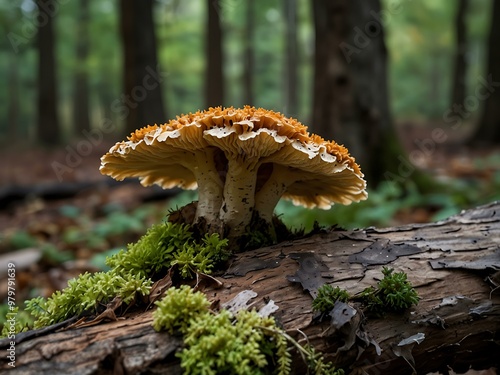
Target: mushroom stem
239 197
210 192
270 193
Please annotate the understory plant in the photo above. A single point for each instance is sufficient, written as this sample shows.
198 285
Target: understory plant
132 273
393 293
226 343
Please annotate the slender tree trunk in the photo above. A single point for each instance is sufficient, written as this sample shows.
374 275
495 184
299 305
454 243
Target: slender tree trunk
13 105
248 67
331 89
351 95
488 132
460 70
48 131
81 120
214 79
143 98
291 77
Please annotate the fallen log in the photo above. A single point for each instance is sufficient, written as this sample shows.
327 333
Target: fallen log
453 264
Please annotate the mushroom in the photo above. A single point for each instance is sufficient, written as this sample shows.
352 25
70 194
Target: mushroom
242 161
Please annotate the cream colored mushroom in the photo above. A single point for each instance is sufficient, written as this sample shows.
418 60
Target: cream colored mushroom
242 161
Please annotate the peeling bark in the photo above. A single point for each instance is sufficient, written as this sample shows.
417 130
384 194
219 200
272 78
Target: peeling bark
452 263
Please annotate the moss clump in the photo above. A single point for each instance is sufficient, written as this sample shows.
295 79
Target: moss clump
215 343
132 273
327 296
167 244
86 293
178 308
393 293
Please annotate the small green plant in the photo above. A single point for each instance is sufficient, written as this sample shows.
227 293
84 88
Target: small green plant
244 343
393 293
327 296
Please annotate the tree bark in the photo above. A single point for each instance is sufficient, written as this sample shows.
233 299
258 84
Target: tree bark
143 99
453 264
81 119
48 130
350 85
460 69
214 78
488 131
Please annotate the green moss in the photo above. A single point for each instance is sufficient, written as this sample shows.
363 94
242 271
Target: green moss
85 294
167 244
132 273
393 293
327 296
179 308
223 343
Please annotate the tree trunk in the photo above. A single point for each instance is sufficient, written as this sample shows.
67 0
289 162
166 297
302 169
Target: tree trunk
214 78
460 70
13 104
81 120
142 103
350 85
248 65
453 264
331 88
48 130
488 132
291 62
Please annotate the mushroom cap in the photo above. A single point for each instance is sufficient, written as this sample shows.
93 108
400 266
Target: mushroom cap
166 155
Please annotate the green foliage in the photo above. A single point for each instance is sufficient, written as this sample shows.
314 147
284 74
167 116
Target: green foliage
195 257
167 244
215 343
393 293
163 246
86 293
21 320
153 252
21 239
327 296
53 255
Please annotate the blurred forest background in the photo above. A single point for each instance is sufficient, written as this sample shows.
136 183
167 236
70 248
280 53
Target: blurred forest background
412 88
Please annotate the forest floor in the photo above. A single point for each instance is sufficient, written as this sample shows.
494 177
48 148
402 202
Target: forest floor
58 236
